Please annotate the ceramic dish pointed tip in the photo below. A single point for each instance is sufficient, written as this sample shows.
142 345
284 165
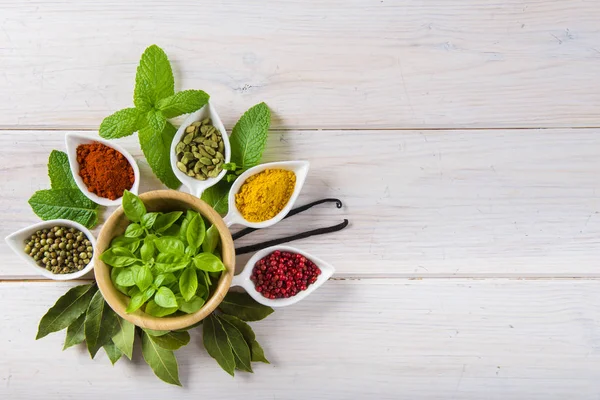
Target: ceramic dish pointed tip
243 278
74 140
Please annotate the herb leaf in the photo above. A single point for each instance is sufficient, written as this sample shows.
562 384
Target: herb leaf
156 120
249 136
133 207
238 344
196 231
208 262
148 219
134 230
169 245
120 124
64 203
113 352
157 311
59 171
162 362
139 298
216 343
183 102
188 283
75 333
165 221
165 298
153 80
116 257
142 276
101 324
257 352
172 340
156 147
66 310
125 337
191 306
244 307
211 241
217 196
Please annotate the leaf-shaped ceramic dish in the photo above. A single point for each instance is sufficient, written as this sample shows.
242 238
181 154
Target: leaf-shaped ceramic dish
16 241
72 141
196 186
300 168
243 278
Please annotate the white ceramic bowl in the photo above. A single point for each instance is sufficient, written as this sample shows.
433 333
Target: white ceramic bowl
243 278
300 168
196 186
16 241
72 141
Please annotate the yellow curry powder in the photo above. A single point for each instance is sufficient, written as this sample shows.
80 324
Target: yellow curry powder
264 195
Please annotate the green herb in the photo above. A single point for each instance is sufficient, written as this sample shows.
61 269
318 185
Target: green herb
113 352
258 354
244 307
125 337
216 343
217 196
155 101
101 324
162 362
171 340
75 334
59 171
241 350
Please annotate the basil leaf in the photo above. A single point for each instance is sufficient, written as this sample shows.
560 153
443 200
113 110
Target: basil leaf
216 344
170 245
148 219
147 250
170 262
101 324
196 232
112 257
164 297
191 306
249 136
153 80
164 279
75 333
139 298
120 124
143 277
217 196
134 230
162 362
156 147
164 221
208 262
125 337
211 241
172 340
125 278
114 274
59 171
156 120
131 244
238 344
113 353
257 353
244 307
153 332
64 203
183 102
133 207
188 283
157 311
66 310
189 216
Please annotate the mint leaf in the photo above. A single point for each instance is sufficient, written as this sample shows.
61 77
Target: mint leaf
153 80
120 124
217 196
249 136
59 171
156 148
156 121
64 203
184 102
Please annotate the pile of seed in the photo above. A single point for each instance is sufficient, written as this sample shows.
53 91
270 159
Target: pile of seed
200 154
60 250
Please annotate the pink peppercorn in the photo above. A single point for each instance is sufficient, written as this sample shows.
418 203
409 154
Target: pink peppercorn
283 274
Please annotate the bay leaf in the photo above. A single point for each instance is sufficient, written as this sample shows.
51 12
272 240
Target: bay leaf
101 324
162 362
244 307
66 309
216 344
256 351
125 337
113 352
172 340
75 333
238 344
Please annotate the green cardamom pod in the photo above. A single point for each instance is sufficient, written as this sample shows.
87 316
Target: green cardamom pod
196 123
188 138
200 177
181 167
189 129
205 161
179 148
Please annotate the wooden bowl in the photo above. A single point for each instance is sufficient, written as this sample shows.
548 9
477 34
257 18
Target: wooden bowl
164 201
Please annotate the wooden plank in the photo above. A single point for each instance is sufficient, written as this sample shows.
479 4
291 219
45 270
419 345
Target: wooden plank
436 203
428 339
318 64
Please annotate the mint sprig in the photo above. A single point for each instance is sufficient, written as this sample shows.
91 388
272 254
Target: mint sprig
155 101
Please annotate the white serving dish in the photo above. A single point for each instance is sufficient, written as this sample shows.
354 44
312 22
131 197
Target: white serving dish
72 141
300 168
243 278
16 241
196 186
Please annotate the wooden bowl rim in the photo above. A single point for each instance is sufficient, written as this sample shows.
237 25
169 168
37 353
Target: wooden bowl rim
118 301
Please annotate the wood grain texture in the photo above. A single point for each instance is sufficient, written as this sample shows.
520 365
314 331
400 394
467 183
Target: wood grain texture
436 203
318 64
385 339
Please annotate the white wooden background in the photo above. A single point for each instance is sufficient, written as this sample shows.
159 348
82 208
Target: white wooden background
462 136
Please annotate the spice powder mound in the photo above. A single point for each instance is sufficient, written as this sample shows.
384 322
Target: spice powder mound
104 170
264 195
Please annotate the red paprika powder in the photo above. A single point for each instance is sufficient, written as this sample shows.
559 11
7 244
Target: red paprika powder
104 170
